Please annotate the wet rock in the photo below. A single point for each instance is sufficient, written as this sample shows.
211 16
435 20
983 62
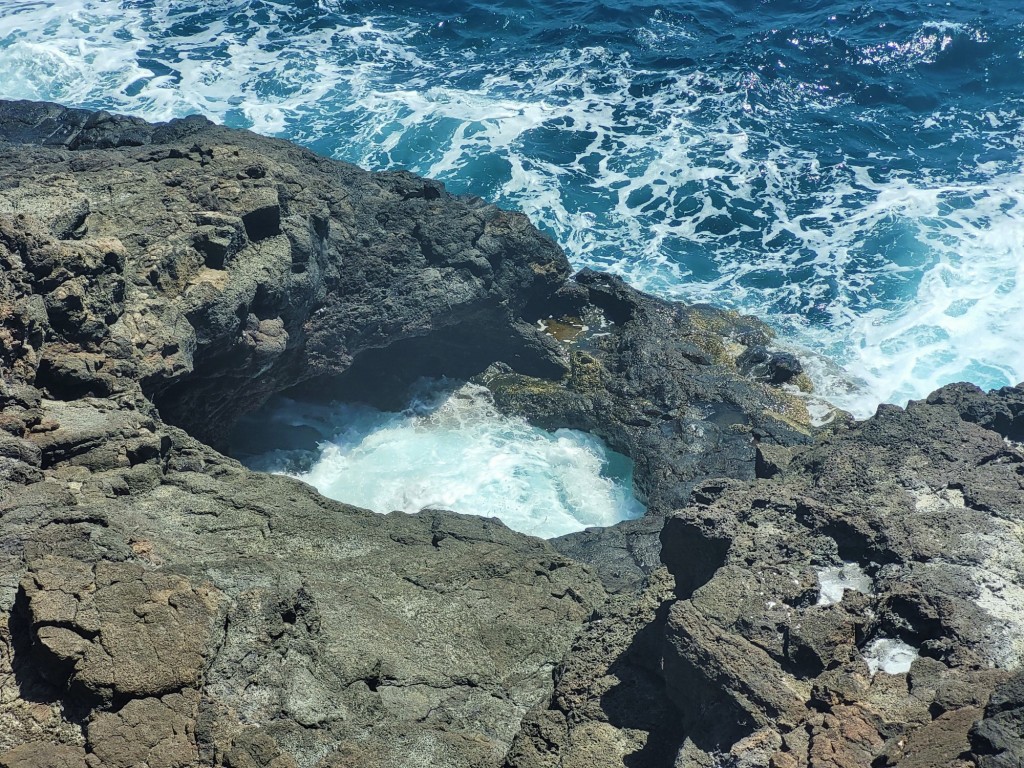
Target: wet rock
659 382
773 367
229 267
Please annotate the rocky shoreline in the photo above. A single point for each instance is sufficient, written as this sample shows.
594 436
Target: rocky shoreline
164 606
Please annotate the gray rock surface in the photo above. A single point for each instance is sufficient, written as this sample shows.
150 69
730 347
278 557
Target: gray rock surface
903 531
662 383
162 606
169 608
998 738
215 267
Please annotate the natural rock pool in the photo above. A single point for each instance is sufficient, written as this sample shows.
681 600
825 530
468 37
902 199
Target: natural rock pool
448 449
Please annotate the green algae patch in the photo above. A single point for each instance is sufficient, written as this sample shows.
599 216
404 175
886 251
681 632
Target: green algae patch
790 409
723 334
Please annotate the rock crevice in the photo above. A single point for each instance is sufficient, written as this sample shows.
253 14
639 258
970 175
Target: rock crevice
163 606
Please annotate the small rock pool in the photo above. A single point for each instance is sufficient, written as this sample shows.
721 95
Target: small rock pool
448 449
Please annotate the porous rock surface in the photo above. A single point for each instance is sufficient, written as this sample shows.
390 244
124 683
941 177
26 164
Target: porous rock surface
164 606
765 665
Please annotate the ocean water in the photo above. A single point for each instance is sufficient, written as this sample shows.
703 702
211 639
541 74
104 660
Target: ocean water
849 171
450 449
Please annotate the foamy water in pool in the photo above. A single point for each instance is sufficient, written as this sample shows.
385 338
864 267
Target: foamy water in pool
450 449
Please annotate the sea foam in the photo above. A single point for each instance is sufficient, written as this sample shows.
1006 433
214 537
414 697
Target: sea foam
884 240
450 449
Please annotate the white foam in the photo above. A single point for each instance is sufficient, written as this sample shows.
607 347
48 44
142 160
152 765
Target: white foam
632 182
893 657
833 583
452 450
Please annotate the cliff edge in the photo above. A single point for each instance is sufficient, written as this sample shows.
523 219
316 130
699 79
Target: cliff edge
164 606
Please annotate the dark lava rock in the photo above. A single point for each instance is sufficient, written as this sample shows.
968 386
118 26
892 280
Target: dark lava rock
769 661
177 609
164 606
215 267
658 381
160 605
768 365
998 739
201 270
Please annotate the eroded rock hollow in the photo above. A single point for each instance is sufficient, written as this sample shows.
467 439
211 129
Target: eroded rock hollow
842 597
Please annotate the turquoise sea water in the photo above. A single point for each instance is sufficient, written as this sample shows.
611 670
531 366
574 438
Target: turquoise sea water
450 449
849 171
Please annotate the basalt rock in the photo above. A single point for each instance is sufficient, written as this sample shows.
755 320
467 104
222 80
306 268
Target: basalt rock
902 531
163 606
200 270
211 268
158 613
928 505
662 383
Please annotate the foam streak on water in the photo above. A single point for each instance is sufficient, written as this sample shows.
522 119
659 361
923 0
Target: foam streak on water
853 176
449 450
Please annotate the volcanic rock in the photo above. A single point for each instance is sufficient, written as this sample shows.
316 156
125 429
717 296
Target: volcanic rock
841 597
765 664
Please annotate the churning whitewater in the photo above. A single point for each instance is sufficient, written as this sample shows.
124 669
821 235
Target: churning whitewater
450 449
849 172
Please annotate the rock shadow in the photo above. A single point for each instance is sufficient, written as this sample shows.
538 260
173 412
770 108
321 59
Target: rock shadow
32 685
640 702
35 673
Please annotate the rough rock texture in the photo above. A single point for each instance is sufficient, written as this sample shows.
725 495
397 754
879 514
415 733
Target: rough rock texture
200 270
767 666
660 382
166 607
998 739
167 610
215 267
161 606
610 706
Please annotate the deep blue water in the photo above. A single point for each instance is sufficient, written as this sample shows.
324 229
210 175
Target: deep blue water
851 172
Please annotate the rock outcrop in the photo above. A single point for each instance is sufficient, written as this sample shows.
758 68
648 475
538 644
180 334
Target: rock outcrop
211 268
795 598
164 606
661 383
185 611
